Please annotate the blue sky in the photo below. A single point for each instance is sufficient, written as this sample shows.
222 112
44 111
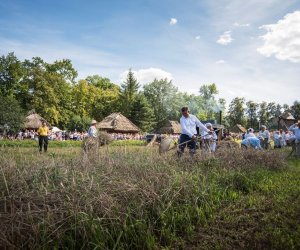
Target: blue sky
248 48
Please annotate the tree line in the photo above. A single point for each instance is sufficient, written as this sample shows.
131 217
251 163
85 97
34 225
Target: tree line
53 91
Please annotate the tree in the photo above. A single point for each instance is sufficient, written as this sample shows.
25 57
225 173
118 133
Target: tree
79 123
263 113
100 82
11 114
295 110
251 112
48 89
11 73
162 95
210 105
129 90
142 114
208 91
236 112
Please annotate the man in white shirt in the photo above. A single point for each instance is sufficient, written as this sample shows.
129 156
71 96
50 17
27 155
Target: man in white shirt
188 124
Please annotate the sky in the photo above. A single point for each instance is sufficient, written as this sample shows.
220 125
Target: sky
249 49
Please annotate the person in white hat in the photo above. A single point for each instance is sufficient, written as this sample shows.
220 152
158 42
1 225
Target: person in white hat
250 133
92 132
209 139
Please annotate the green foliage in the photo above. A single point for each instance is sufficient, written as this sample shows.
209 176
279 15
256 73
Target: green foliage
252 116
11 115
295 109
236 112
79 123
11 73
51 89
142 114
34 144
129 91
162 96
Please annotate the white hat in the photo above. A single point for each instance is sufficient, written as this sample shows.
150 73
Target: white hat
251 130
208 125
93 122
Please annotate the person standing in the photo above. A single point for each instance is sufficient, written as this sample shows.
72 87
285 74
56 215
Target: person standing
188 124
264 136
92 132
296 130
43 136
209 139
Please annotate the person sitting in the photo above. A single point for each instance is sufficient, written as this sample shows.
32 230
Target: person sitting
250 133
252 142
264 136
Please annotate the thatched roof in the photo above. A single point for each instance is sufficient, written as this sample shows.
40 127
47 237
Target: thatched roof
34 121
287 116
238 129
171 127
118 123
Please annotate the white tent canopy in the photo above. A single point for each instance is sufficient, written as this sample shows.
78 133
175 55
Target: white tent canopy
56 129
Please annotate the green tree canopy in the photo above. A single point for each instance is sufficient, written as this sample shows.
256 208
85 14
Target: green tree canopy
11 114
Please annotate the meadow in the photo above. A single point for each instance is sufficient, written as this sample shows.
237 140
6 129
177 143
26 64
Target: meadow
130 197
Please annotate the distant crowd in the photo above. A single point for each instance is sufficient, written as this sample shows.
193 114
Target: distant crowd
72 135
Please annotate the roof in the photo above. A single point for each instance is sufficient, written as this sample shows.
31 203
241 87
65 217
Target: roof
287 116
171 127
116 122
238 128
34 121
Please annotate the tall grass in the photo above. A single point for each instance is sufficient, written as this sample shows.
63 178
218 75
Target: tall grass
120 197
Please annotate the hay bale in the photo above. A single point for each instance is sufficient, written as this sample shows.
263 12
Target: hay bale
93 143
223 145
165 144
104 138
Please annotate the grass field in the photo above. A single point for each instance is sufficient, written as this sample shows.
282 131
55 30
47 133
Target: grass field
130 197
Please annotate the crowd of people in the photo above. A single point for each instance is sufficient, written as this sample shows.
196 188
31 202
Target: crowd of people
260 140
188 138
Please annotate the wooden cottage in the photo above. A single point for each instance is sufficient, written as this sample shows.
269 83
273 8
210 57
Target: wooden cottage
117 123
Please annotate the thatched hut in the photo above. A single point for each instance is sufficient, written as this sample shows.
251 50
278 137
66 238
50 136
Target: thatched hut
171 127
33 121
117 123
285 121
238 128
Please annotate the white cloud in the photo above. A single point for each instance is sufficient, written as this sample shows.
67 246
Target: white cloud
236 24
225 38
173 21
220 62
282 38
197 37
144 76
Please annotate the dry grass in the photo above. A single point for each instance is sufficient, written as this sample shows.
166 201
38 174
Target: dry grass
119 197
